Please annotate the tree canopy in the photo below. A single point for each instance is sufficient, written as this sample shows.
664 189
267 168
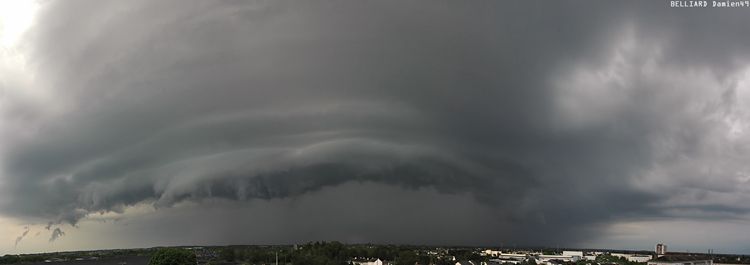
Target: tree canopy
227 254
172 256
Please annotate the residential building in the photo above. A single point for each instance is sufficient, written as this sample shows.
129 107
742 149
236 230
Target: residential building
661 249
367 262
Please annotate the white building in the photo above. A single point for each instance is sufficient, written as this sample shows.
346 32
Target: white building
661 249
367 262
513 256
546 258
681 260
621 255
639 258
575 254
508 260
493 252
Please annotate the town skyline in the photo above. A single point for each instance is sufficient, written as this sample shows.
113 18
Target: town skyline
511 250
319 253
502 248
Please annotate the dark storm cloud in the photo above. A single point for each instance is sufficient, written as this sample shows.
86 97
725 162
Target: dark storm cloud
558 114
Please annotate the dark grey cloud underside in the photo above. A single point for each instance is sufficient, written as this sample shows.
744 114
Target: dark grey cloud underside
218 100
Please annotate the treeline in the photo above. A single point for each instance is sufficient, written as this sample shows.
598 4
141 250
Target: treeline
127 253
335 253
16 259
12 259
733 259
318 253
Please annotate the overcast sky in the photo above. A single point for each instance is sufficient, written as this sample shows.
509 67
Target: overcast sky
591 124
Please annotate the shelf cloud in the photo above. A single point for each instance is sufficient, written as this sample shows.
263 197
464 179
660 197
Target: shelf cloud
560 116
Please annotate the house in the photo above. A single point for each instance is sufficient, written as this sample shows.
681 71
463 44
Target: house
555 262
367 262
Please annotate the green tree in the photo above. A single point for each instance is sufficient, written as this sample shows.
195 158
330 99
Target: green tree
227 254
407 257
172 256
239 254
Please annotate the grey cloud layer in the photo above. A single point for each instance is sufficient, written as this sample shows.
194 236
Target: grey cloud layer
579 106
